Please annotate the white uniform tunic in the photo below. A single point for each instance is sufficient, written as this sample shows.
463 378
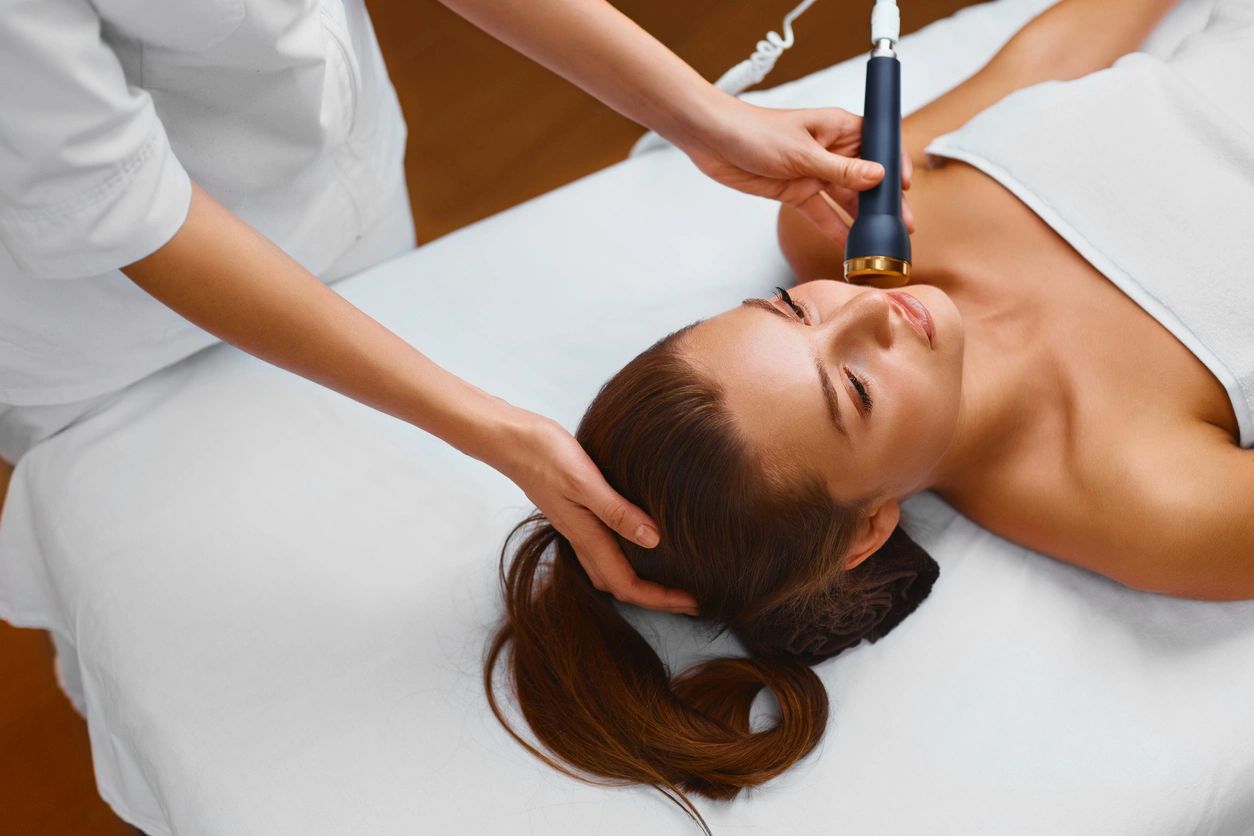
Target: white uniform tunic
280 109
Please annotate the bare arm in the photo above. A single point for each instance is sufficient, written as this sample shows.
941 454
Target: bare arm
597 47
1181 520
223 275
1066 41
228 278
789 155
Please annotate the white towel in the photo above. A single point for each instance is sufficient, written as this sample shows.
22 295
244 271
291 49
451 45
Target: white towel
1147 169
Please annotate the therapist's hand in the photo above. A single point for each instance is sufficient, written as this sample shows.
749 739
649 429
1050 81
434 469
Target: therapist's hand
792 156
558 476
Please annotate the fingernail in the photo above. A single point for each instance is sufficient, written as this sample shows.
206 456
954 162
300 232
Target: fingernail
872 170
647 536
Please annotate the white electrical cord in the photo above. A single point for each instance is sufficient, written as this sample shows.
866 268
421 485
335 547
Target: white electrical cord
748 72
758 65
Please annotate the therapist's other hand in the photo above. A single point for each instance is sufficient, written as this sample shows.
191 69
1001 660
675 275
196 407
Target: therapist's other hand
792 156
558 476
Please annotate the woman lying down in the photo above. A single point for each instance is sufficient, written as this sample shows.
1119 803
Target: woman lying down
774 443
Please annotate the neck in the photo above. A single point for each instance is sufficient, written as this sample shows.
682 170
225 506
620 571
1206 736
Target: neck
1000 401
979 435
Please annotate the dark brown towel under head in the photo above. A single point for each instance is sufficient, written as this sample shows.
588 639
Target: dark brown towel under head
883 590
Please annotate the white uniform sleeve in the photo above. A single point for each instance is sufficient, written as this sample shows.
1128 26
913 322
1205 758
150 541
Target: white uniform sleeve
88 181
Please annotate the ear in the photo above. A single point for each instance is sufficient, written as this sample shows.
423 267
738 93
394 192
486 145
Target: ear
873 531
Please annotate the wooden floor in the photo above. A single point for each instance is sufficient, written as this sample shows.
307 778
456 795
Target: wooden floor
487 129
46 781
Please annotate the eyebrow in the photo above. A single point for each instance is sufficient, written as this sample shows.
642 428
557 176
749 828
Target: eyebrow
767 306
829 394
825 380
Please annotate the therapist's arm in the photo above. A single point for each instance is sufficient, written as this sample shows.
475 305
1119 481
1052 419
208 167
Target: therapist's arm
787 155
223 275
1066 41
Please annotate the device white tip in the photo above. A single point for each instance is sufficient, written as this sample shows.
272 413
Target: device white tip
885 21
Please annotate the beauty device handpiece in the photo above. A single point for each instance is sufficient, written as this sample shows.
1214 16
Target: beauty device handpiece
878 250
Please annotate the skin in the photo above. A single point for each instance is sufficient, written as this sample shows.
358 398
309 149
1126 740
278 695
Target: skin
1060 414
1053 410
766 356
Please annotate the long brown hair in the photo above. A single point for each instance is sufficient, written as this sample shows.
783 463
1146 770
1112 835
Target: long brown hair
741 540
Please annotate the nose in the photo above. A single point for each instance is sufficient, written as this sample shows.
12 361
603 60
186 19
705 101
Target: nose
867 316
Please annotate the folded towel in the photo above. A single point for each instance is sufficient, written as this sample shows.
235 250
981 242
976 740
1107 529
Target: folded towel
873 599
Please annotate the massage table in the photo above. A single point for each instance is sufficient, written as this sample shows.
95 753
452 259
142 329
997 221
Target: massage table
271 603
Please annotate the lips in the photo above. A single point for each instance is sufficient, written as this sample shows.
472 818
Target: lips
916 314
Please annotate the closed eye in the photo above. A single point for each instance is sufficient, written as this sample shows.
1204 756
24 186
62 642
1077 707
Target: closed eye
797 309
860 385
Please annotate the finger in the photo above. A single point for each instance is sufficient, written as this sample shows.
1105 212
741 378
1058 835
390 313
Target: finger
825 214
843 171
597 547
848 201
907 170
593 545
835 128
589 565
620 515
654 596
641 593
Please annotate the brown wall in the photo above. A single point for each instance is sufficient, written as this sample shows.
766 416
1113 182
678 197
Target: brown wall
489 128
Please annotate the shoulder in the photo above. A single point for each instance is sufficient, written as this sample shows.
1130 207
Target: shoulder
1168 510
1172 511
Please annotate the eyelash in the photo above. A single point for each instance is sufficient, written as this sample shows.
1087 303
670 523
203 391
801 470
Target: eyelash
797 309
859 383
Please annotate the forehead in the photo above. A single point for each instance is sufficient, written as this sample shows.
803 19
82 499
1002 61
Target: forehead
766 367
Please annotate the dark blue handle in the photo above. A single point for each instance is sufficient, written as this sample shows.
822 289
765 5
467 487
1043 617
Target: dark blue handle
879 228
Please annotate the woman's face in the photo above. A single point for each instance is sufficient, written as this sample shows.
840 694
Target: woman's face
789 380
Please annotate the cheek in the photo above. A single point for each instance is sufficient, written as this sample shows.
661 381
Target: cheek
926 412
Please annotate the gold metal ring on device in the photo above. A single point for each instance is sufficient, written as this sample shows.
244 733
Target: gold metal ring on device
877 271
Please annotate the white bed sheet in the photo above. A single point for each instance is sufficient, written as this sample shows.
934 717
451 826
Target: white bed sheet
271 602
